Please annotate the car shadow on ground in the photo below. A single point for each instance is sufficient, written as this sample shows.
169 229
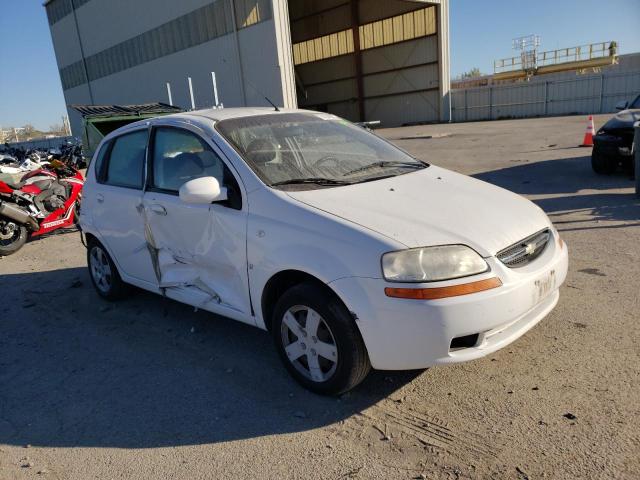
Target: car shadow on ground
558 182
146 372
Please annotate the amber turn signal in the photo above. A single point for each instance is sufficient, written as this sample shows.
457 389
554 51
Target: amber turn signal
443 292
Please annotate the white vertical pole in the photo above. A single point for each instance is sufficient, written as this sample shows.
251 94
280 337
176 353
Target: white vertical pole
193 103
169 94
215 89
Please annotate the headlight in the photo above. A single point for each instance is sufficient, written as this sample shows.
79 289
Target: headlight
430 264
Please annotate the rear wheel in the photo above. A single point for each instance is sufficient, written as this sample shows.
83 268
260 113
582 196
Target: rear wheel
104 274
318 340
602 164
12 237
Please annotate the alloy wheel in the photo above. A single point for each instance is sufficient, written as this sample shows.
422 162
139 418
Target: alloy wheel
309 343
100 269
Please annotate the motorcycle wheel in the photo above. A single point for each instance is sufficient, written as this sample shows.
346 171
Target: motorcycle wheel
12 237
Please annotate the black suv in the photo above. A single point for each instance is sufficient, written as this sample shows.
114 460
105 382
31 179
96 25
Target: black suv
613 143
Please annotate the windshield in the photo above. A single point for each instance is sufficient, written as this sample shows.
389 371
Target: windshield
313 149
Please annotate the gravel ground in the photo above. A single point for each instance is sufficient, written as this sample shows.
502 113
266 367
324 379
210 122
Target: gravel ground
148 388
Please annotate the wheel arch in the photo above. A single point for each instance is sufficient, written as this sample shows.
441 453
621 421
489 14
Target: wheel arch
280 283
91 237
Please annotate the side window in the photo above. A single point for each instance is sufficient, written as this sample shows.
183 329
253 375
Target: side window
99 161
636 103
180 156
126 161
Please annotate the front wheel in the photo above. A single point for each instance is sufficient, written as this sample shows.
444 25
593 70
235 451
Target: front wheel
318 340
12 237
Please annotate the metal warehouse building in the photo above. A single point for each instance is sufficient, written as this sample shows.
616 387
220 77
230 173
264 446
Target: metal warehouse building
384 60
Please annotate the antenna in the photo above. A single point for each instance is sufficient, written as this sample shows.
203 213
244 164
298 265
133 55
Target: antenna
272 104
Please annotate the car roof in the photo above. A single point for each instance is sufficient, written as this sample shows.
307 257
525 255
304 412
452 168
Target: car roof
212 114
217 114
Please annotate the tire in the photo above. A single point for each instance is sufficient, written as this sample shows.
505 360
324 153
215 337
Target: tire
602 164
336 335
104 274
12 237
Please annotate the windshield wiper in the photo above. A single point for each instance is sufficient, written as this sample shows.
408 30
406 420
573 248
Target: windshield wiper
314 180
383 164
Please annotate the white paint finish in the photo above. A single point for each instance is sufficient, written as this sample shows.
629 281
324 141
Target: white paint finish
296 236
203 190
122 234
338 235
444 201
424 329
201 247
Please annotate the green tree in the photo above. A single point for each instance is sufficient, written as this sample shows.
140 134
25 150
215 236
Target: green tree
473 73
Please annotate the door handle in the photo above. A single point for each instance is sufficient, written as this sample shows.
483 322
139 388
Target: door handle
99 198
158 209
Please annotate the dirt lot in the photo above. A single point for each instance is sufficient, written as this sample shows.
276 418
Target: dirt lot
148 388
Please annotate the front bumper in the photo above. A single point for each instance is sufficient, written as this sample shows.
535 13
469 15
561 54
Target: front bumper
614 145
403 334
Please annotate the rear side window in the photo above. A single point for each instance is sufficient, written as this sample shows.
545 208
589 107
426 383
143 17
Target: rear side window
99 160
126 161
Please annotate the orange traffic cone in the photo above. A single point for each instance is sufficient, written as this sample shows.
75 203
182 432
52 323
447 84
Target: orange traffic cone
588 136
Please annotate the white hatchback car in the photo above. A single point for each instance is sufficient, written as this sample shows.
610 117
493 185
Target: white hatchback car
349 251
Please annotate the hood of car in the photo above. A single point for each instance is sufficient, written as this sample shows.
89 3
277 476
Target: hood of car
622 120
433 206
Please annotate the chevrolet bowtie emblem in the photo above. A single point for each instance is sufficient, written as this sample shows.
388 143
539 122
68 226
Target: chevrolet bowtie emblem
530 248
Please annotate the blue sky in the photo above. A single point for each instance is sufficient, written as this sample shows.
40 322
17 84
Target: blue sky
481 31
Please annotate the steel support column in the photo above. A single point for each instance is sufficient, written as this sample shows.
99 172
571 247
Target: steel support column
357 57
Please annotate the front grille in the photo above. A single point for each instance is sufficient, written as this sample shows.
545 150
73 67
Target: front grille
525 251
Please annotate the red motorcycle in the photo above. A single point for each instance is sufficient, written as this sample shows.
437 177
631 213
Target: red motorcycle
44 200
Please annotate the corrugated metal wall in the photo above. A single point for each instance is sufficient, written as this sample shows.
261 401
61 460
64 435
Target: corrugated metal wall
247 60
400 73
585 94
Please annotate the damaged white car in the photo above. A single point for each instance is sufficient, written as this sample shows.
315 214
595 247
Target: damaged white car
349 251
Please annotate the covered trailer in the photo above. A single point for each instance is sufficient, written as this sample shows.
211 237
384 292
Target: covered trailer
100 120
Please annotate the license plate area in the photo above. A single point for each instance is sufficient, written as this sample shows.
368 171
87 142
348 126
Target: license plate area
543 286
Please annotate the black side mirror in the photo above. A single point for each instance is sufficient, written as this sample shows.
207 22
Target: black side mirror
622 105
